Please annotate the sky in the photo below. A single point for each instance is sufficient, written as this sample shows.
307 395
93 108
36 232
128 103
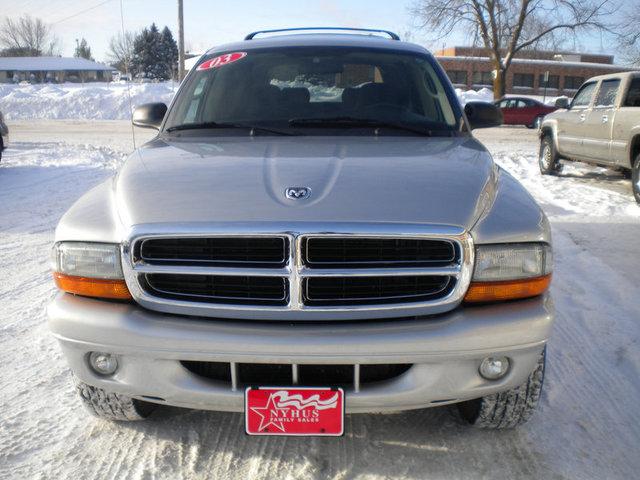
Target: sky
212 22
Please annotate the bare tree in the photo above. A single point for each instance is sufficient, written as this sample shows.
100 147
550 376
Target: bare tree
506 27
630 36
27 36
121 50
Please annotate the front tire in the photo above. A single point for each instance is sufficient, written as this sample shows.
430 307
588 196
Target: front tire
536 123
507 409
548 158
635 178
113 406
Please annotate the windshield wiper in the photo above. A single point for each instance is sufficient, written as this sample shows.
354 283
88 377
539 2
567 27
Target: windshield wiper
356 122
214 125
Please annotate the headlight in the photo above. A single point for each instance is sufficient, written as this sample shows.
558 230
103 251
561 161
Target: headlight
91 269
510 271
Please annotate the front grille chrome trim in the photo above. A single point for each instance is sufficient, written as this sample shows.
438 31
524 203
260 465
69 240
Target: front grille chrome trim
295 271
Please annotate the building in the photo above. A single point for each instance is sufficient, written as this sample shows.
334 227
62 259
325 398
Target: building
53 70
470 67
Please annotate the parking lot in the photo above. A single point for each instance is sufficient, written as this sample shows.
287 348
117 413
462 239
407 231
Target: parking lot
586 427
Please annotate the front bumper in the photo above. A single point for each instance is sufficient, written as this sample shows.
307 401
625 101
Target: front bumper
445 351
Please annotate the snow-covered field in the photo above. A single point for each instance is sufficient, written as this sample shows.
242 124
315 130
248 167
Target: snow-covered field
587 426
110 101
91 101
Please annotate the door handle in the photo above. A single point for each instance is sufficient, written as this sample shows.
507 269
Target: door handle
582 117
605 118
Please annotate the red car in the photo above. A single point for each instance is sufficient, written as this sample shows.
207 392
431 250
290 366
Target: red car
524 111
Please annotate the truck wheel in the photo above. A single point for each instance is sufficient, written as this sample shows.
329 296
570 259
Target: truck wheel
506 409
112 406
635 178
548 159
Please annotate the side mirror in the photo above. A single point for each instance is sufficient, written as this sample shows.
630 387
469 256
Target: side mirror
562 102
149 115
483 115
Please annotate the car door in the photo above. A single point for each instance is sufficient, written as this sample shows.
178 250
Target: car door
528 111
570 132
508 111
627 117
598 124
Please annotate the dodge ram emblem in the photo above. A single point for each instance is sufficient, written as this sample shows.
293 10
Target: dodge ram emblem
297 193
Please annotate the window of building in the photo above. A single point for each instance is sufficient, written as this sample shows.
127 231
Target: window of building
523 80
633 97
482 78
554 81
458 76
572 83
607 93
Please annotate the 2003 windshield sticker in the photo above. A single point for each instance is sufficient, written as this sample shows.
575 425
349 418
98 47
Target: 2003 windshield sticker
222 60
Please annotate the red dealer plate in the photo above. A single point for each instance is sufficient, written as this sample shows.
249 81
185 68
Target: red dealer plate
294 411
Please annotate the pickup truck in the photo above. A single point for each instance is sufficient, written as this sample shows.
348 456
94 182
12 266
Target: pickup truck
314 231
601 126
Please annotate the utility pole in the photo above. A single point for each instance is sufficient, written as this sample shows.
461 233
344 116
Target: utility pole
180 42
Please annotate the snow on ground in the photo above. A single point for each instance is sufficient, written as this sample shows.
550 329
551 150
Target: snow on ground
94 101
586 427
110 101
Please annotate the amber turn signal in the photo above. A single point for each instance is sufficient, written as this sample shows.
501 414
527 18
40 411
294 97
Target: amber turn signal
507 290
92 287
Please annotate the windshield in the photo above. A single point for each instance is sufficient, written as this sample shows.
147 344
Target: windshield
315 91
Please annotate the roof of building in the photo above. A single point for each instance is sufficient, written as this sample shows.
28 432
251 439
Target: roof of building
560 63
38 64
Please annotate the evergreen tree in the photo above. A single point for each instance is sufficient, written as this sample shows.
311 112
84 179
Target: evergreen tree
155 54
168 52
83 50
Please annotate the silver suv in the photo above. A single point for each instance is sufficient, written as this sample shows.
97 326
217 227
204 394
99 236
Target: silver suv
314 228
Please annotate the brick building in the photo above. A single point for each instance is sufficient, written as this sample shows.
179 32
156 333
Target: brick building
470 67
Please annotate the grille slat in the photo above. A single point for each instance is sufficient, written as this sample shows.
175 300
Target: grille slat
332 252
219 288
257 251
280 375
321 291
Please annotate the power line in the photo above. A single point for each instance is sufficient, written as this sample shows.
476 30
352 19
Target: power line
81 12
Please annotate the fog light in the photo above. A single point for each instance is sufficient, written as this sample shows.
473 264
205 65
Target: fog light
493 368
103 363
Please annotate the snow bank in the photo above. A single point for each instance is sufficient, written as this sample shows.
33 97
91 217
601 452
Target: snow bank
482 95
95 101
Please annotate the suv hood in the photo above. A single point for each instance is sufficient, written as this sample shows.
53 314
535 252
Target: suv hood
352 179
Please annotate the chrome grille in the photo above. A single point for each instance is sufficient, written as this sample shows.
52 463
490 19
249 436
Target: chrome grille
324 276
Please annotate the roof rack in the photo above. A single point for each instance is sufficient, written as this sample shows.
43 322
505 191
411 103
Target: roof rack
393 36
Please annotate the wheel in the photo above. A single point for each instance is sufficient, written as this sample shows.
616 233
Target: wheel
112 406
635 178
548 159
507 409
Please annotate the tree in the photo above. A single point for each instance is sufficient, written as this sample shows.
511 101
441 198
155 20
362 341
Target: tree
83 50
154 53
630 37
27 37
169 52
505 27
121 51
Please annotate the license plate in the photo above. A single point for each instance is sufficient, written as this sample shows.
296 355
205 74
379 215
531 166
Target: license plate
294 411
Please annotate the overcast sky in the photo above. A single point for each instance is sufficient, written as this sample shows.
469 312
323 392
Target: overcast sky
211 22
